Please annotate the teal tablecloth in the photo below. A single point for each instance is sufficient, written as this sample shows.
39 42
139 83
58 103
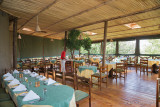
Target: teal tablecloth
79 61
53 61
93 68
57 96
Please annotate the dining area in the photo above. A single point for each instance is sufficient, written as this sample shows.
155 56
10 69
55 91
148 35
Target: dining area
75 53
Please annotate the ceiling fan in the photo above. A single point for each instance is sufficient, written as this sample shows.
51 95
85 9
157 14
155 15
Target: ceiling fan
38 29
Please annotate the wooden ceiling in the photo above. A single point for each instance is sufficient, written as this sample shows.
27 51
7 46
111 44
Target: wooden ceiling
58 16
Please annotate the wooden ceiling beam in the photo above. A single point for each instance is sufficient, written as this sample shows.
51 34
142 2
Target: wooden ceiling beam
48 6
110 19
82 12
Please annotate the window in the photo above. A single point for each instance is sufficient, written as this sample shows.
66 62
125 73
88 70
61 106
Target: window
150 46
111 48
95 48
127 47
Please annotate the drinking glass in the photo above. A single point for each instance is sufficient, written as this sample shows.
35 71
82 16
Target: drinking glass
44 92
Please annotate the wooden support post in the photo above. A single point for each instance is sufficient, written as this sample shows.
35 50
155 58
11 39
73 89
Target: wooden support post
104 42
101 48
137 50
117 48
15 43
80 37
65 38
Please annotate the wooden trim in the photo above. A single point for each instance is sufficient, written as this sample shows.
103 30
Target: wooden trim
104 42
48 6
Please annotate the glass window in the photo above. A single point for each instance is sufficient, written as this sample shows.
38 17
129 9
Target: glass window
127 47
111 48
95 48
150 46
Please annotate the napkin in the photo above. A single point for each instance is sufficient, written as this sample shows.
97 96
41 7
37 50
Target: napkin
14 82
42 77
25 78
50 81
26 71
6 75
30 96
15 71
9 78
33 74
21 87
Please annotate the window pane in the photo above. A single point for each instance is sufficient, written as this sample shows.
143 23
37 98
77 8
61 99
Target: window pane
111 48
150 46
127 47
95 48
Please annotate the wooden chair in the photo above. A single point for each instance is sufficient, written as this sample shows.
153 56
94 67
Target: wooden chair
157 93
125 65
133 62
70 76
76 66
101 75
59 75
50 70
144 65
81 95
120 68
69 66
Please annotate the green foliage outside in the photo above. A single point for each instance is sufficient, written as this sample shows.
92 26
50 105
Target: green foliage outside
151 46
74 43
95 48
127 47
111 48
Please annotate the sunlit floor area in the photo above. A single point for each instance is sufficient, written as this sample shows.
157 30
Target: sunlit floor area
136 91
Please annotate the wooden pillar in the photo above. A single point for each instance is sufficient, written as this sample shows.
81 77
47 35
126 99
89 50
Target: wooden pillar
101 48
104 42
117 48
137 49
15 43
65 38
80 37
43 51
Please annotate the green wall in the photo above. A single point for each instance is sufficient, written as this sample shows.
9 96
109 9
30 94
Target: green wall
5 43
32 46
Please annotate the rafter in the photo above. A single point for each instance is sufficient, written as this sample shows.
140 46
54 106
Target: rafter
124 23
110 19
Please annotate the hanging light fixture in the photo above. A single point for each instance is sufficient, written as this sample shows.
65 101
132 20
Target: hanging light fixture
19 36
111 40
51 40
38 29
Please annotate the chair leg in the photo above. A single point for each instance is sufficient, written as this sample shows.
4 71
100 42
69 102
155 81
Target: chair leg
116 77
77 105
91 82
89 102
100 83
